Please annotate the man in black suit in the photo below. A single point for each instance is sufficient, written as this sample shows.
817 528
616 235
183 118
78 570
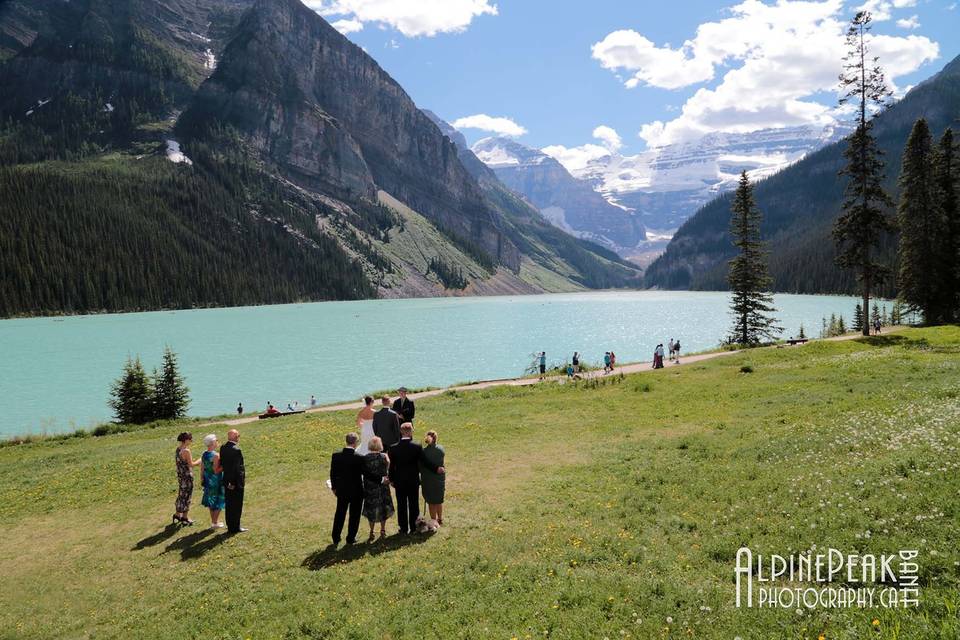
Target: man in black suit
346 481
386 424
404 407
404 473
234 479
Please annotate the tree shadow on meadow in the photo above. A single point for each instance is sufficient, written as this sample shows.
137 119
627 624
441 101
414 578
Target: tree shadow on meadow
155 539
331 555
885 341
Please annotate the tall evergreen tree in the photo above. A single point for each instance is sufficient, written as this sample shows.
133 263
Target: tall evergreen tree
863 220
172 397
858 318
947 177
752 303
132 395
919 280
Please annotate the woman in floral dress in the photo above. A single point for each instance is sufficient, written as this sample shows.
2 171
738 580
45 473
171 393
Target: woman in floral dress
377 501
214 496
185 464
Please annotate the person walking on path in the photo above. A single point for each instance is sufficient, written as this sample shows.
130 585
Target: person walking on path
670 349
234 479
543 365
676 352
606 363
576 362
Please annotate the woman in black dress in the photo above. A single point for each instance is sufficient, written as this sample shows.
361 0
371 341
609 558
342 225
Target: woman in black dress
185 465
377 501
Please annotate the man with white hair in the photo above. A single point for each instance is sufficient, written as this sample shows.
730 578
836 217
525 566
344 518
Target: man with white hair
234 478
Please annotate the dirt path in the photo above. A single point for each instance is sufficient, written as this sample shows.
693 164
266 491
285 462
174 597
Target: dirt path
635 367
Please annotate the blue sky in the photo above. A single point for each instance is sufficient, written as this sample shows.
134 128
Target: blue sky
558 69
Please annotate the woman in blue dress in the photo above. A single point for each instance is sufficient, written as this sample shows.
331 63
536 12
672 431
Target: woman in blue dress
214 497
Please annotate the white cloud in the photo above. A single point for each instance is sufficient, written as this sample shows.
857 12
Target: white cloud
347 26
410 17
881 10
576 159
610 138
499 125
773 60
913 22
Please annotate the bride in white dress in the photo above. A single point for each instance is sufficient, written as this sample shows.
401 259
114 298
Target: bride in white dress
365 425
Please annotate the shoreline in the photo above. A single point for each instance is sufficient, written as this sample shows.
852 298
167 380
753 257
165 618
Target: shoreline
94 314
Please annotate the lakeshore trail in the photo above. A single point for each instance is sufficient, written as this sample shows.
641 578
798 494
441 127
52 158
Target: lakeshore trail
633 367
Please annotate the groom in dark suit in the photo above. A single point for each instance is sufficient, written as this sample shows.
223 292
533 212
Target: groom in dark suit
404 473
234 479
386 425
346 481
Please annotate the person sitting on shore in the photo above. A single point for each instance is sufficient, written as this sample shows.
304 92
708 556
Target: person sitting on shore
211 476
185 465
272 410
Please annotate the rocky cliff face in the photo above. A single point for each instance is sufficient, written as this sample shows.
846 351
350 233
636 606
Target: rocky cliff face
570 204
330 118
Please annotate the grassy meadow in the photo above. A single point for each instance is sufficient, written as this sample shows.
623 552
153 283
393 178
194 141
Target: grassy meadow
609 509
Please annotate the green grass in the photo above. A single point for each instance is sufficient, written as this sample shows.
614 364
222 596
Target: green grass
573 511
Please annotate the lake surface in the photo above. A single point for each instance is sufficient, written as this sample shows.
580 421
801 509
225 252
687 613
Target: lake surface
55 373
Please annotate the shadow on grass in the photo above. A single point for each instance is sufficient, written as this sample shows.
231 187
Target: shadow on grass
884 341
331 555
200 548
184 543
157 538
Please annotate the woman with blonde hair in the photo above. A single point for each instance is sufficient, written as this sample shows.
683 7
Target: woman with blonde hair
433 484
377 501
211 474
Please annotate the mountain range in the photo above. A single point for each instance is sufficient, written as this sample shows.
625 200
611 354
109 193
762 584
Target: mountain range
176 153
800 204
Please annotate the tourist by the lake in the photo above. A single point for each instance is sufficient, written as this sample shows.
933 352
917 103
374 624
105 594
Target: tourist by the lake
211 477
313 401
676 352
660 356
543 364
613 361
404 406
377 501
569 371
405 457
239 408
606 363
234 479
576 362
185 465
670 350
289 408
272 410
876 326
433 484
365 424
386 424
346 482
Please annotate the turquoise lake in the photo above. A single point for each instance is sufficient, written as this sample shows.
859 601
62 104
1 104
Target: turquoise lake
55 373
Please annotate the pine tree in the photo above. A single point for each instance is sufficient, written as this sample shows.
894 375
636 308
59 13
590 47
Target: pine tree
824 328
947 177
863 221
841 326
884 317
858 318
921 224
834 327
752 303
132 395
896 313
172 397
875 315
803 335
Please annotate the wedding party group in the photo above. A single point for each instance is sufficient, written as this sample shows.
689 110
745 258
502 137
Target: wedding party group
381 457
